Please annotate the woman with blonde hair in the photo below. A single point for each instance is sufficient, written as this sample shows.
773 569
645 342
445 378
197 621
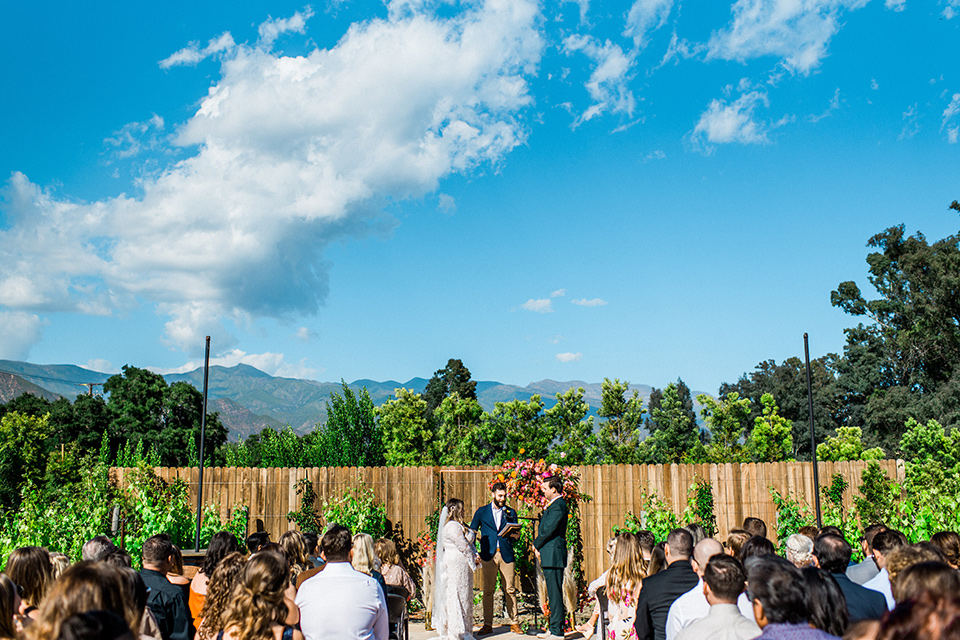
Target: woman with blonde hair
219 588
393 572
30 568
365 559
85 586
58 564
624 581
257 605
295 546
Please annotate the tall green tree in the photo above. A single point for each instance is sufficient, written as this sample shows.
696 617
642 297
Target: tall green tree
771 439
523 426
727 419
456 419
453 378
24 450
623 416
675 433
577 443
351 434
407 436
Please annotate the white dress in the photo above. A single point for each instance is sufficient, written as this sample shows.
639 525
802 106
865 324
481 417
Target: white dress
459 559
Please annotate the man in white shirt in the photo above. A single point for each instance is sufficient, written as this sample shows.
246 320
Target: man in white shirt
693 605
340 603
723 581
883 543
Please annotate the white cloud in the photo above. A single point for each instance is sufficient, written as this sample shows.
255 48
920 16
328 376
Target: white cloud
134 137
192 54
446 203
593 302
559 293
896 5
569 357
953 130
101 365
656 154
795 31
539 305
873 84
834 105
304 334
724 122
289 153
911 123
951 10
274 28
19 331
271 363
644 17
608 85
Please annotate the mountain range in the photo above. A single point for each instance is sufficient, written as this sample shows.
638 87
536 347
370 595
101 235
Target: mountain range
248 400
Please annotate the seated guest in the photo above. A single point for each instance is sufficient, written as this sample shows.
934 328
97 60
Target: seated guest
735 541
30 568
58 564
219 591
800 550
340 603
949 544
257 541
810 531
775 587
623 584
755 527
697 531
867 569
662 589
85 586
95 625
723 580
167 601
257 607
365 559
10 617
295 546
693 604
221 544
658 560
756 546
883 543
393 572
833 556
829 530
96 548
312 540
930 617
647 543
590 625
138 615
906 556
937 577
826 606
175 575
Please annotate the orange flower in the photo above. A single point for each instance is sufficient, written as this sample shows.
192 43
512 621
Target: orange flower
513 475
500 476
521 451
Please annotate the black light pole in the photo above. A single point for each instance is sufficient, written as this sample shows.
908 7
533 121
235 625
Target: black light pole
813 438
203 433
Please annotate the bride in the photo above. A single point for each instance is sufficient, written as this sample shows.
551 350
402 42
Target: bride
456 562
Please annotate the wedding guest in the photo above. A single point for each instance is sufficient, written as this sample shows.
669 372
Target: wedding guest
295 546
937 577
867 569
884 543
365 559
58 564
10 617
930 617
175 575
85 586
833 556
167 601
949 544
662 589
221 544
394 575
775 588
723 581
623 584
826 604
755 526
735 540
257 607
30 568
96 548
219 592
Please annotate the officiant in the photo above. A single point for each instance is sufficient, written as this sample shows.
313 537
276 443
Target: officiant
496 555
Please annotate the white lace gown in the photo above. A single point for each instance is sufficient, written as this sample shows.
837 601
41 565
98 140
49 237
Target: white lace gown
460 562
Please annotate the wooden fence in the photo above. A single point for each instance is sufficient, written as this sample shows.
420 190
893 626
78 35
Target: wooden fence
411 493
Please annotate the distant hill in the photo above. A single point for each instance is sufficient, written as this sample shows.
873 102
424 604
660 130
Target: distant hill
248 400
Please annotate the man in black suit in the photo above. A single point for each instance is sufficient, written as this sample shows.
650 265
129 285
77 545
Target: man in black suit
550 546
833 556
661 589
496 557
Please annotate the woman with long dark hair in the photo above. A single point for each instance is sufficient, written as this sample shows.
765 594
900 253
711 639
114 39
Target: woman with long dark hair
221 544
30 568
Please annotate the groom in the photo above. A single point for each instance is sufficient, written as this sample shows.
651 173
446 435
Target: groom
496 556
551 549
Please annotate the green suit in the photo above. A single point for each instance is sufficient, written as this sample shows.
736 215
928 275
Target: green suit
551 542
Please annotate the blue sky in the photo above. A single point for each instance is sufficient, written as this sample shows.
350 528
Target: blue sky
568 190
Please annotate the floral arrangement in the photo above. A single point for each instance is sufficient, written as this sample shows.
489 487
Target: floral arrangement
428 550
523 477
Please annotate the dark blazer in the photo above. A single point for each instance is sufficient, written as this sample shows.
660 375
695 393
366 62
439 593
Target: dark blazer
483 521
169 606
551 540
659 591
862 603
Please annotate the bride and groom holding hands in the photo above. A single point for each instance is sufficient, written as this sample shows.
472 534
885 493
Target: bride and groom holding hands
457 559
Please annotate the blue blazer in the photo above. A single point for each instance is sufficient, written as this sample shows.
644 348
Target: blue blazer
483 521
